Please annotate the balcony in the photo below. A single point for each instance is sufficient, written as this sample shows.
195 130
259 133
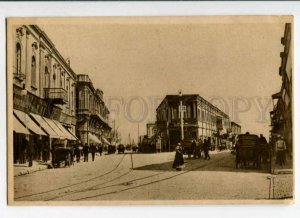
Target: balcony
56 95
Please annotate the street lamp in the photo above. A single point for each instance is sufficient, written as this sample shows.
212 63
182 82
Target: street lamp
181 115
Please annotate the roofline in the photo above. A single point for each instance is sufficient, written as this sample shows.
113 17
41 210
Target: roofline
52 46
198 97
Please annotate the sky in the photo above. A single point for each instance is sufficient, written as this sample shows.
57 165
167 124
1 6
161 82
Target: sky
136 62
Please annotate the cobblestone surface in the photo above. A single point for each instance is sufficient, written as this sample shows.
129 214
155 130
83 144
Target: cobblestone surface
283 186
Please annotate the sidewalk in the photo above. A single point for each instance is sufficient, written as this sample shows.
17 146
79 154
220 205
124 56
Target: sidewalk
287 168
23 169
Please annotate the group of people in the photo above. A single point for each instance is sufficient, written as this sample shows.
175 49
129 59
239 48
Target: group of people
196 148
86 149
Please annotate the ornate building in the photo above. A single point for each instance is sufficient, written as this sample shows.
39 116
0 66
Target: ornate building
281 116
201 119
92 114
43 91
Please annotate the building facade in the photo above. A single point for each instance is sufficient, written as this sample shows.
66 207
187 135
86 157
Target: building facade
281 115
201 119
92 113
43 92
235 128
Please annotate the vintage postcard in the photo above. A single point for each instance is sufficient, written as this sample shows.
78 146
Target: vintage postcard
150 110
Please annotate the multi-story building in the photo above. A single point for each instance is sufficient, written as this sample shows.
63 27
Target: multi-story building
43 92
201 119
281 116
92 114
235 128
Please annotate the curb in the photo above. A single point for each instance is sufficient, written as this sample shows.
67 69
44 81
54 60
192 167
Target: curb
25 172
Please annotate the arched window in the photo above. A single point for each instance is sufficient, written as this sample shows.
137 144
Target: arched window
33 71
18 60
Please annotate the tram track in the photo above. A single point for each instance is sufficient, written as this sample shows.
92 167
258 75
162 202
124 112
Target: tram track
74 184
142 185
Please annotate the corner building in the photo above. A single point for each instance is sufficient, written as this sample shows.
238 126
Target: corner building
43 93
201 120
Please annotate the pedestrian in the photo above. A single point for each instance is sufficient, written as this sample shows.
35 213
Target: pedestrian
77 153
206 147
194 149
264 148
93 151
200 144
30 153
23 152
178 161
100 149
85 153
280 151
45 152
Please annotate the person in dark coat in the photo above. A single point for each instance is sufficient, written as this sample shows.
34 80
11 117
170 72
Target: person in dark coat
206 147
100 149
30 153
178 161
264 149
85 151
45 152
77 153
93 151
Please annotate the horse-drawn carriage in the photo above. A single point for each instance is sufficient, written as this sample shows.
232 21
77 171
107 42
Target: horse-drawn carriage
62 155
248 150
121 148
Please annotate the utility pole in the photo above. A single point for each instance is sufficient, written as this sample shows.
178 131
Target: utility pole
181 115
138 132
115 132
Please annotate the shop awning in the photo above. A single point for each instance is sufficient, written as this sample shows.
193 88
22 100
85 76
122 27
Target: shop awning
66 132
57 130
93 138
105 141
27 121
72 134
18 127
45 126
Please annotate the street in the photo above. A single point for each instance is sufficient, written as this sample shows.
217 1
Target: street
110 177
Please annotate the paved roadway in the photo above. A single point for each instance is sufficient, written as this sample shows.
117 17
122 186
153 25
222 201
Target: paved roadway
110 177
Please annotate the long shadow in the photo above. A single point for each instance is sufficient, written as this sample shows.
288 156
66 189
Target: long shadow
224 164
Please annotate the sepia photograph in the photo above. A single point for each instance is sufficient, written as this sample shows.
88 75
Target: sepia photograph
150 110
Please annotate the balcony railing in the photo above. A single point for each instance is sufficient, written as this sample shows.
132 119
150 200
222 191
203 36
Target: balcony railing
56 95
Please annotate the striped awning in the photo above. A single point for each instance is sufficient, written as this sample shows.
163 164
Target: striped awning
93 138
65 131
29 123
51 132
56 129
105 141
18 127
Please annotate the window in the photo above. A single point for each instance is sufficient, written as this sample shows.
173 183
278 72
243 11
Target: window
33 71
18 60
